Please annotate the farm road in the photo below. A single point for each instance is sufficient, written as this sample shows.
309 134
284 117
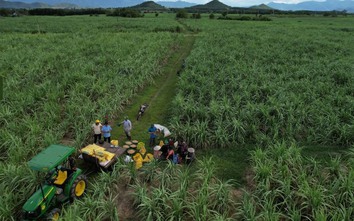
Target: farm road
159 96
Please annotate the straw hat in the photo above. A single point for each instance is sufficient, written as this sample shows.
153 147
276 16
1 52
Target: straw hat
135 142
157 148
133 146
191 150
128 143
130 151
97 121
126 146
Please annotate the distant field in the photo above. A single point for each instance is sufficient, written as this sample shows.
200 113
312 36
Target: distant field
259 82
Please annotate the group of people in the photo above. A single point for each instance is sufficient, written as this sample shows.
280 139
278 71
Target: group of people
154 130
177 152
98 130
105 130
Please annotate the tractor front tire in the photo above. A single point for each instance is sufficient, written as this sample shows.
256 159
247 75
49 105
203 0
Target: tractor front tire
53 215
78 188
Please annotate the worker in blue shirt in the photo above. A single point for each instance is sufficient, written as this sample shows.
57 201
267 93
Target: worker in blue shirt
106 130
152 131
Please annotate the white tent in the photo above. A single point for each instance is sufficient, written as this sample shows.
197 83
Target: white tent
163 130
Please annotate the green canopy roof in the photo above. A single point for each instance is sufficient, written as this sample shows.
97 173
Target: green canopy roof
51 157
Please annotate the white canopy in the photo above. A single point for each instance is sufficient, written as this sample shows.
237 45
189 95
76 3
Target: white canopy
163 129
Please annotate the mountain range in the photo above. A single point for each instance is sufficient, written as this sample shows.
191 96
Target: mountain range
88 3
328 5
105 3
16 4
176 4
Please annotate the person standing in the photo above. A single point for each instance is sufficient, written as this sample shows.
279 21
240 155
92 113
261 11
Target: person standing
152 131
97 126
106 130
127 127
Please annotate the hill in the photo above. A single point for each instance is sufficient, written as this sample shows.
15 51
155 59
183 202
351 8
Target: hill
328 5
150 5
261 7
6 4
65 5
211 6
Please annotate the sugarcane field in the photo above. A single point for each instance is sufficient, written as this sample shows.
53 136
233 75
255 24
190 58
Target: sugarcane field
206 113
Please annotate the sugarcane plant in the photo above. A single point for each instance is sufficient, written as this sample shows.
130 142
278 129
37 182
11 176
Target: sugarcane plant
76 72
179 193
296 188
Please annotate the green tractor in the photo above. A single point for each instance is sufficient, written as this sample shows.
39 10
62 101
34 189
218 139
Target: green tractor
63 183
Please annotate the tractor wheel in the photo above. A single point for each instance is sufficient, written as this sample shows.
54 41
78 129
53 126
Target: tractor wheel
53 215
79 187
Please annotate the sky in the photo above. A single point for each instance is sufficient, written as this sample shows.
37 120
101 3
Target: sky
247 2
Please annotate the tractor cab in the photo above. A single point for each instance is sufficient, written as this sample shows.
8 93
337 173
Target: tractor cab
63 182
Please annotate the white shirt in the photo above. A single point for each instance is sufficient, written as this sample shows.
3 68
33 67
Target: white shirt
97 128
127 125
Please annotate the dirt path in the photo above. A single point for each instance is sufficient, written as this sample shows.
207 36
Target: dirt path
159 95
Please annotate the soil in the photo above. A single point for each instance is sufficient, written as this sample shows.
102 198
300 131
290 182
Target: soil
125 205
67 141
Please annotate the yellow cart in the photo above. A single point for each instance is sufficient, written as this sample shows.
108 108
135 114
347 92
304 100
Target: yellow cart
103 155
